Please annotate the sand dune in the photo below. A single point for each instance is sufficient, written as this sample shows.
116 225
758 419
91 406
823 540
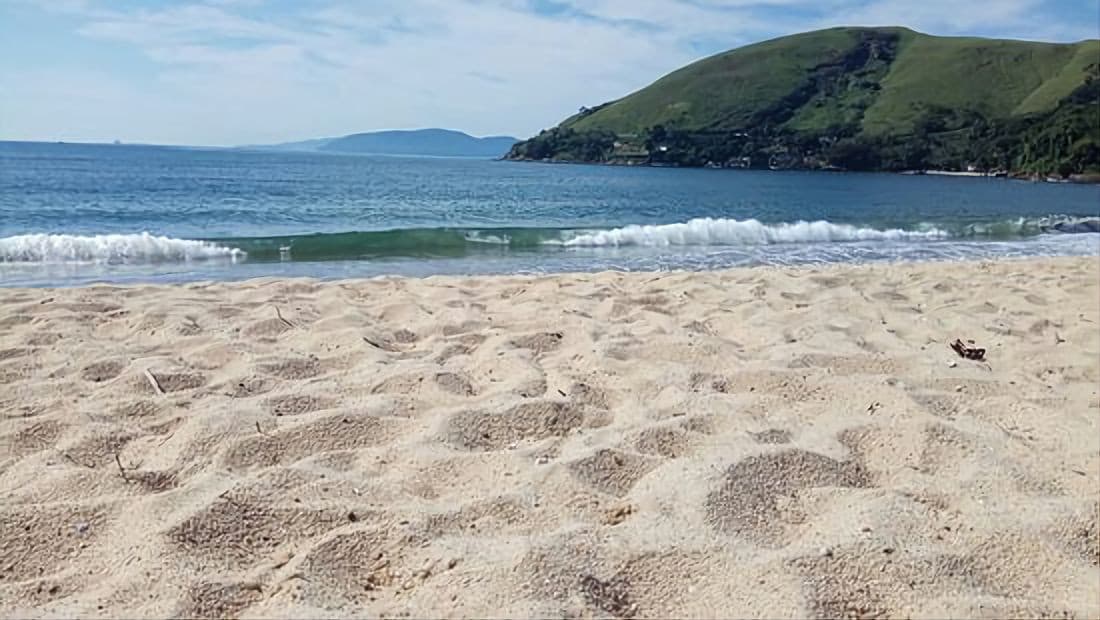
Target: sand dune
779 443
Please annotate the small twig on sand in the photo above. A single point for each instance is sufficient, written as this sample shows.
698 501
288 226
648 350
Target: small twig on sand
153 382
74 461
121 469
279 314
373 343
259 429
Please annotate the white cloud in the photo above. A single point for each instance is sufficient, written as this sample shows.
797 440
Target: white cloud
239 71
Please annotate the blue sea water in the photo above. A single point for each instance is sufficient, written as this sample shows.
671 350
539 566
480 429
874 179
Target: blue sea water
73 214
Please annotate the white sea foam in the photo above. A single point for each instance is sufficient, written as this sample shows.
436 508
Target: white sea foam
113 249
727 232
480 237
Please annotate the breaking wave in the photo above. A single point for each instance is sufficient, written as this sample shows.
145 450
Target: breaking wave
708 231
719 233
110 249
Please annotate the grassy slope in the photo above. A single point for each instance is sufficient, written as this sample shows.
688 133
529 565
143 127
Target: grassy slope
1047 95
996 78
723 90
992 77
842 98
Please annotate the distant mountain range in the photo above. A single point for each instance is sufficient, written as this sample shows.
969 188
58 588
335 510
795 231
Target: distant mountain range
435 142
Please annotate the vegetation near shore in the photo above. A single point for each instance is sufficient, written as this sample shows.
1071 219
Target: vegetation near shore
855 99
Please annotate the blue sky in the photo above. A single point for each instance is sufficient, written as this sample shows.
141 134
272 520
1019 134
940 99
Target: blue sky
222 72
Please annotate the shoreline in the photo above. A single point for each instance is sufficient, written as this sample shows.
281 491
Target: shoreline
748 442
1076 179
317 280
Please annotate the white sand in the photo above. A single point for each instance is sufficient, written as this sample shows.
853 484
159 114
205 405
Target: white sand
780 443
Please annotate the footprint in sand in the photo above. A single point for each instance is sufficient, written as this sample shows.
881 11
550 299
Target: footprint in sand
237 531
40 540
496 430
12 353
250 386
455 383
101 371
577 570
664 441
298 404
340 431
294 369
772 436
354 566
137 409
543 342
266 329
33 438
208 599
460 345
178 381
746 503
612 471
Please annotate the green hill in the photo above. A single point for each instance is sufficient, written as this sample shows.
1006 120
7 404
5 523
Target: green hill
864 98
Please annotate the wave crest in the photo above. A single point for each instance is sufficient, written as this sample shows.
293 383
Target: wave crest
710 231
111 249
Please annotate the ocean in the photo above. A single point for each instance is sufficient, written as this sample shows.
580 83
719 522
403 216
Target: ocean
77 214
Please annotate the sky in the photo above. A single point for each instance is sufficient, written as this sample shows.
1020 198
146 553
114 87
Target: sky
233 72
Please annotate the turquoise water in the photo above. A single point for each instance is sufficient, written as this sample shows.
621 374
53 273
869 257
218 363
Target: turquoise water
73 214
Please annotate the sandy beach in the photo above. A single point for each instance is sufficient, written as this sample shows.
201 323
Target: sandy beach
757 442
